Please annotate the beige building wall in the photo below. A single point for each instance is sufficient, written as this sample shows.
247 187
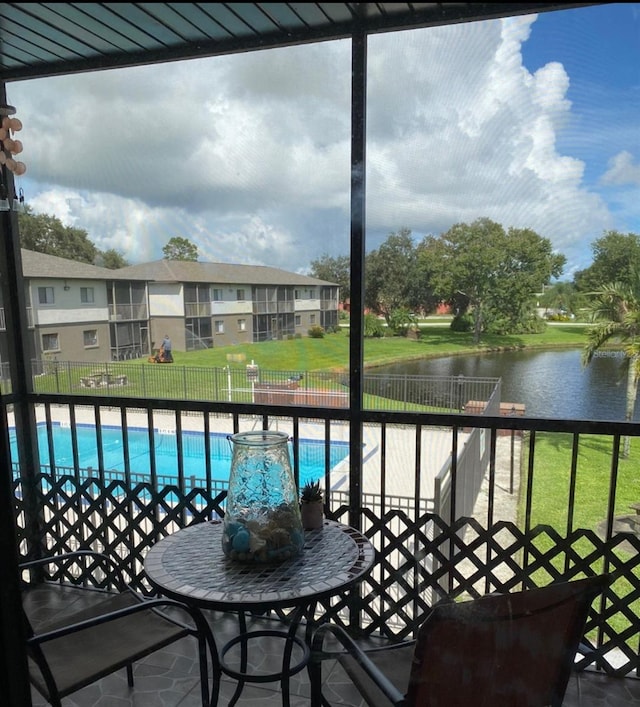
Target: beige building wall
173 326
306 320
232 332
85 341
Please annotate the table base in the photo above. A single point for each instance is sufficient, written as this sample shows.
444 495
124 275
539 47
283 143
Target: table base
283 675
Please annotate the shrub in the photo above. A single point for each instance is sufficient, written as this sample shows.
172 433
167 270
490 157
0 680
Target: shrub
316 332
401 320
462 322
373 327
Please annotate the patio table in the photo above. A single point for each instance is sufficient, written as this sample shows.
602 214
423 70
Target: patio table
190 566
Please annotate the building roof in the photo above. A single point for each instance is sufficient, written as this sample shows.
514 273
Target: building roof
215 273
36 264
49 39
41 265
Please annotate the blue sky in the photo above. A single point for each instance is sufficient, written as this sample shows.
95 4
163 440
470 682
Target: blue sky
531 121
599 48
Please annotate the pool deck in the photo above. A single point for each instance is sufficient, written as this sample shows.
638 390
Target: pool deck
399 456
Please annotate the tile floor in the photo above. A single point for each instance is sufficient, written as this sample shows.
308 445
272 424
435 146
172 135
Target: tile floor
169 678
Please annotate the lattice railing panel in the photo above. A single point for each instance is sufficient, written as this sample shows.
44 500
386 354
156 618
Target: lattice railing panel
418 561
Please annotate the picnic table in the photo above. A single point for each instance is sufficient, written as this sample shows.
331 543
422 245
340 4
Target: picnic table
101 379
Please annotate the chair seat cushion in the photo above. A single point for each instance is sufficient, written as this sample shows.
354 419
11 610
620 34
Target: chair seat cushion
81 657
395 663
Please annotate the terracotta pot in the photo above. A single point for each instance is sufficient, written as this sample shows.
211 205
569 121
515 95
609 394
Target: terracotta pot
312 515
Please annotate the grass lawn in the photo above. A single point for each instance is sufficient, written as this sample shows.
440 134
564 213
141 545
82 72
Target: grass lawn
329 354
550 498
332 352
552 475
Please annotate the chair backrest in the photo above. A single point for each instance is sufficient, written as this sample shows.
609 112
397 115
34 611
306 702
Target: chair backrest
512 650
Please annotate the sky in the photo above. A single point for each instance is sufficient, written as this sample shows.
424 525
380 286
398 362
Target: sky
532 121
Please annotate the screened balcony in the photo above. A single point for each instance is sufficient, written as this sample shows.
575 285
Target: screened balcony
454 503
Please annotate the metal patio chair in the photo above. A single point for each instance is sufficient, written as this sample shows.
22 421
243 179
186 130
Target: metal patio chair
78 634
511 650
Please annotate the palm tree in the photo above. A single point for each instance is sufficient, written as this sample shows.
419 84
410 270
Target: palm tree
615 311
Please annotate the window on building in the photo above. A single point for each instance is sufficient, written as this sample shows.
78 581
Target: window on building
90 337
240 295
45 295
312 319
298 320
242 324
298 294
50 342
217 295
219 326
86 295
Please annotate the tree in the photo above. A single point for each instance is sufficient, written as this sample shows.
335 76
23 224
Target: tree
493 273
616 257
391 274
47 234
111 259
527 261
179 248
465 261
563 296
615 311
336 270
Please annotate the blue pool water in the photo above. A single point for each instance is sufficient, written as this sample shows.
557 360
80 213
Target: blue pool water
312 452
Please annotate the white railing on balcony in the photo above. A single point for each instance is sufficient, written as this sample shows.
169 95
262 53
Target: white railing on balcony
197 309
124 312
3 321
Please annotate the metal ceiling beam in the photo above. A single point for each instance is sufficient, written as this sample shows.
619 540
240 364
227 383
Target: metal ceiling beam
38 39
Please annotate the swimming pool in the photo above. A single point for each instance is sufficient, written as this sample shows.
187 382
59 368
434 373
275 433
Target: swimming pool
311 452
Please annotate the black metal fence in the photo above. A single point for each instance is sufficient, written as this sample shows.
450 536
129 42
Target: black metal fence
247 384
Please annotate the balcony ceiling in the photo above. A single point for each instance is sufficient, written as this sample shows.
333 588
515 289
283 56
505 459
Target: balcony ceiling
47 39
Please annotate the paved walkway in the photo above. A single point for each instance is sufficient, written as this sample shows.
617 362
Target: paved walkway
507 483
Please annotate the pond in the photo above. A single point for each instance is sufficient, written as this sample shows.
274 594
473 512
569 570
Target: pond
551 384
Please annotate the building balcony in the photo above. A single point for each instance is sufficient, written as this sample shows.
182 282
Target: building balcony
3 319
128 312
197 309
331 304
455 504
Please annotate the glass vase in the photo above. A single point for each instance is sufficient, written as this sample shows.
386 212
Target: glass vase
262 516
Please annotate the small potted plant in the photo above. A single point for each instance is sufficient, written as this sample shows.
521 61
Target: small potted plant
311 505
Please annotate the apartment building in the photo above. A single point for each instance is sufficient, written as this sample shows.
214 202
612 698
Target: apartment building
81 312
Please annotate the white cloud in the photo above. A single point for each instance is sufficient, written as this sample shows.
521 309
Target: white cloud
622 170
248 155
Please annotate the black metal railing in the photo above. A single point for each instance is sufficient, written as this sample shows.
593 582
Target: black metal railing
240 383
507 541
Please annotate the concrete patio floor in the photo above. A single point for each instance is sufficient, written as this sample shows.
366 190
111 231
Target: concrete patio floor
170 678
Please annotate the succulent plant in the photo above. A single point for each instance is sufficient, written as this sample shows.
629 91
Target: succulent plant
311 492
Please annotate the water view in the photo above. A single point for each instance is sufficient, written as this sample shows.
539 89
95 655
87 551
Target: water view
551 384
